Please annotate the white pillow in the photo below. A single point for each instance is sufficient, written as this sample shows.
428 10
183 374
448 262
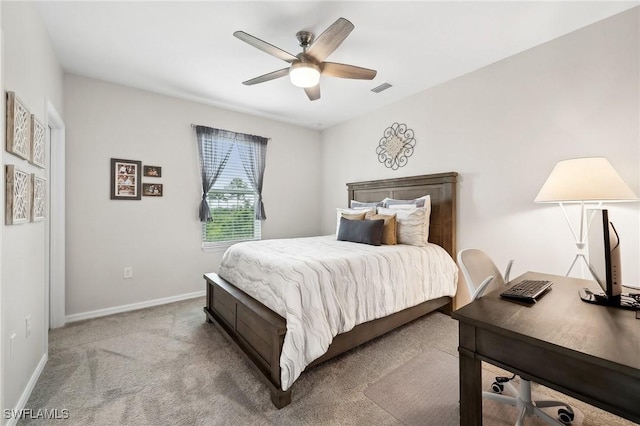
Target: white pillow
360 205
391 203
413 224
339 212
403 206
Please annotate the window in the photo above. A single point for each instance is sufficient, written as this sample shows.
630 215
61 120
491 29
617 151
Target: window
232 166
232 203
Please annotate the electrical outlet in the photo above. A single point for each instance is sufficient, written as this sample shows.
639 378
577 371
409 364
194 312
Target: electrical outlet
11 340
27 325
128 272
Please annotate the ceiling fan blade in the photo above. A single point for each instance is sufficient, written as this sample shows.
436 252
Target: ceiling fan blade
264 46
313 92
333 69
330 39
266 77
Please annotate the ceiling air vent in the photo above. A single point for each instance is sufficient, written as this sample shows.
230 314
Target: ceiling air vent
383 86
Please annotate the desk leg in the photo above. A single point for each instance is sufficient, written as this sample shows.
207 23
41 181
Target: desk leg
209 299
470 378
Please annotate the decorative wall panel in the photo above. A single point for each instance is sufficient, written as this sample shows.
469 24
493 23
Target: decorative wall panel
18 126
38 198
18 185
38 142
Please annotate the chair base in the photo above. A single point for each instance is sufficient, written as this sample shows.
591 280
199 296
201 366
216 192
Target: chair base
526 407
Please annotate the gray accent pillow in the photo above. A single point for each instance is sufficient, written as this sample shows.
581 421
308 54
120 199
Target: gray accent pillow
361 231
340 212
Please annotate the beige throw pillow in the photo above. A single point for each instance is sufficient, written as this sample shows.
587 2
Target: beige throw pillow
389 229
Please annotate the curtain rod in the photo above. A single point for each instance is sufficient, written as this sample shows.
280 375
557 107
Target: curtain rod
193 126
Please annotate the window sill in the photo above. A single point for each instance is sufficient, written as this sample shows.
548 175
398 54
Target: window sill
222 246
214 247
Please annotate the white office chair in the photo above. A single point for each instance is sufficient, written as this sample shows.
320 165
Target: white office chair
477 267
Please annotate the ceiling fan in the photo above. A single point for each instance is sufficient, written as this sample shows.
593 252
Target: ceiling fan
306 66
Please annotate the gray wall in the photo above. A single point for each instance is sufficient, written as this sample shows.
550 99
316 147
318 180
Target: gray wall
32 71
160 237
503 128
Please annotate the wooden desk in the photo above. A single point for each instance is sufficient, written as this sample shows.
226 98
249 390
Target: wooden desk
586 351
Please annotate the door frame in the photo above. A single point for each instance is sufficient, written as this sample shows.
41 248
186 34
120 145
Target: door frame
55 287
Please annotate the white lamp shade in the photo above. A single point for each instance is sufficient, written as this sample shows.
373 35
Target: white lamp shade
304 74
584 179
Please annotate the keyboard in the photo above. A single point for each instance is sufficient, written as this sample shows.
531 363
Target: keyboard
527 290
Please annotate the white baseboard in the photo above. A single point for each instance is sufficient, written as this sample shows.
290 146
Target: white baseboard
13 420
132 307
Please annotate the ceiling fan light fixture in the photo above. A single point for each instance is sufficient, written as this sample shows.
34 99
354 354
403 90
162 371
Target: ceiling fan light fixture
305 68
304 74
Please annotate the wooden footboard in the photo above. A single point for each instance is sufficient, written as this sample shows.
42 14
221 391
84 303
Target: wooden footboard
259 332
254 328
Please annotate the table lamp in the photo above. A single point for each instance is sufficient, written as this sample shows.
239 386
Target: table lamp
590 180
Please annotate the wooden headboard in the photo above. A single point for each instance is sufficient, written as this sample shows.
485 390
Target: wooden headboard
442 189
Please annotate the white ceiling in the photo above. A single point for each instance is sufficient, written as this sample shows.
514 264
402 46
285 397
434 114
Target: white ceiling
187 49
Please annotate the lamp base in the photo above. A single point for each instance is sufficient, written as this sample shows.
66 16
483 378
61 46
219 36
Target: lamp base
575 259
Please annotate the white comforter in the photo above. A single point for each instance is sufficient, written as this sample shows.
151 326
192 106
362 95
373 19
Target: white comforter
323 287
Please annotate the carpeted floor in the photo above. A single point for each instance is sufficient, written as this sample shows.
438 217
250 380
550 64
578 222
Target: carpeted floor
166 366
427 387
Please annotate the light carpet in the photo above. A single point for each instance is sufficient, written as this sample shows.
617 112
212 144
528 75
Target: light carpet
166 366
424 392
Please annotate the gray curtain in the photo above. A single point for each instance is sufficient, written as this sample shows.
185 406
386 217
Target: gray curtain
213 158
253 154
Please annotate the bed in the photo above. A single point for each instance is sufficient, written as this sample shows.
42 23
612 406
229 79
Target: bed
259 332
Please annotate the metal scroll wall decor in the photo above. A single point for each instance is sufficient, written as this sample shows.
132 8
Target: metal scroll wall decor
396 146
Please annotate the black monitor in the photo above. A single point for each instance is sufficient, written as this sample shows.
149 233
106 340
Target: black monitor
604 262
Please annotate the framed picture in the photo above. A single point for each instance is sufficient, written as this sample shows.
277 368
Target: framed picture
18 187
38 143
18 126
152 171
38 198
125 179
152 189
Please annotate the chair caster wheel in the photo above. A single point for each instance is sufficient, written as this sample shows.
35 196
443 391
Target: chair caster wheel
565 416
497 387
